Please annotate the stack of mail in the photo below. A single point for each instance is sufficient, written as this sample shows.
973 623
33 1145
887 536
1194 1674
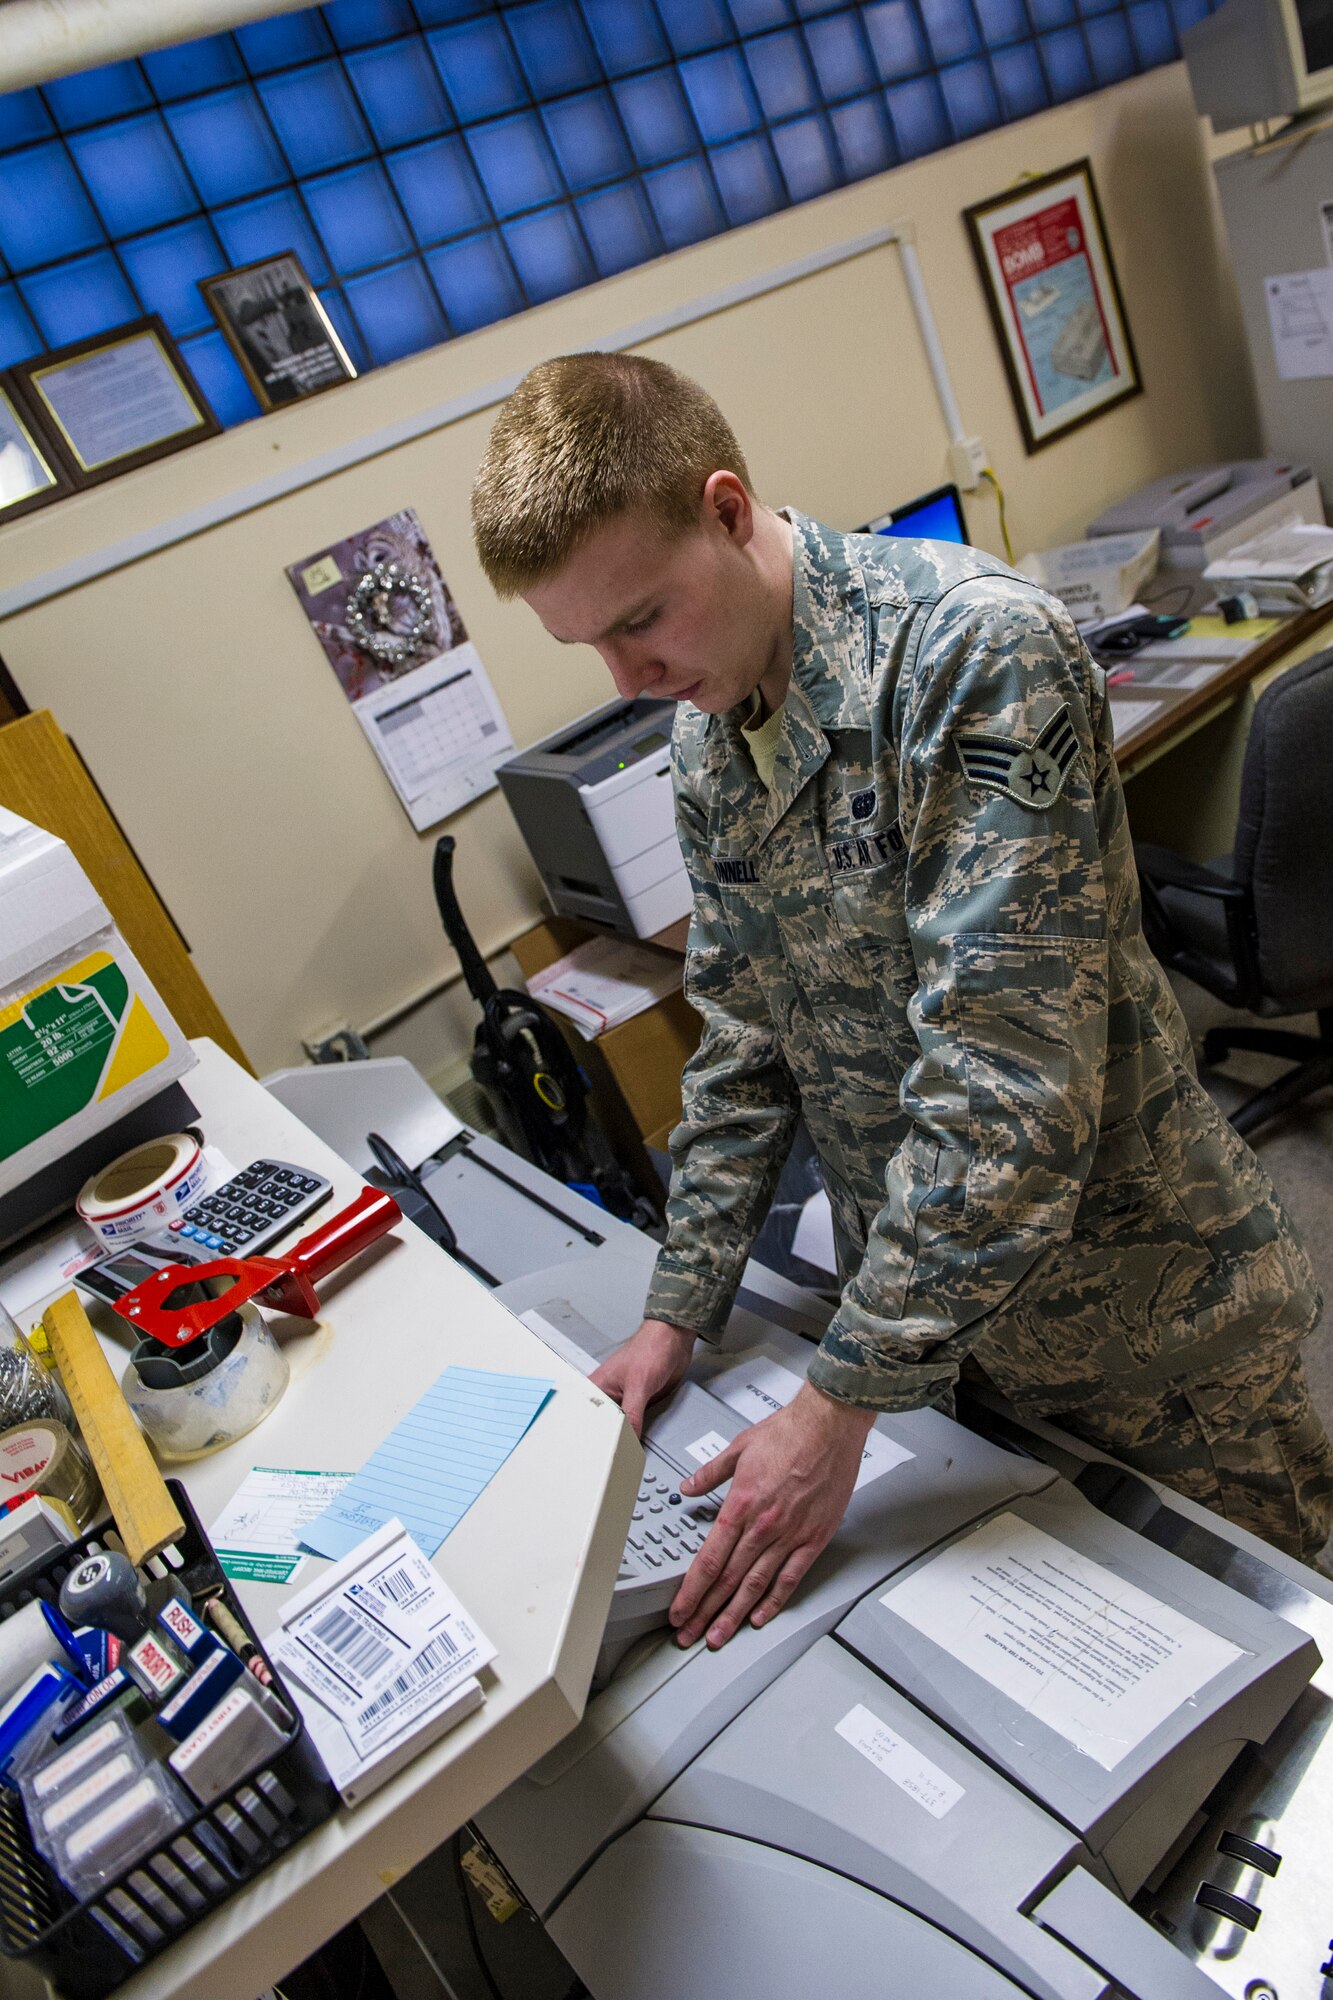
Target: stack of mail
604 982
1287 569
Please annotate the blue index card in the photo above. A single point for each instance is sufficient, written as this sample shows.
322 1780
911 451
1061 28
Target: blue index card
433 1464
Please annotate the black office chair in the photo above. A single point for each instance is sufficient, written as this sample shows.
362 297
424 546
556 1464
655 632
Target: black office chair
1256 927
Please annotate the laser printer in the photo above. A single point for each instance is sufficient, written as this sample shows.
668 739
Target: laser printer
593 802
1210 510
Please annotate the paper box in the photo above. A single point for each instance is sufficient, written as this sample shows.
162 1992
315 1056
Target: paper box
84 1038
1099 578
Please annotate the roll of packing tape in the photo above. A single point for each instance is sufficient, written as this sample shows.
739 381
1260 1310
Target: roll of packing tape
44 1458
143 1190
193 1400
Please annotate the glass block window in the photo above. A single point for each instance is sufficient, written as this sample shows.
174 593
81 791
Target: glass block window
438 165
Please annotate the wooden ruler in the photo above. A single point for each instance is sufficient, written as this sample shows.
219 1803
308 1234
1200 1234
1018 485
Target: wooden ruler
135 1490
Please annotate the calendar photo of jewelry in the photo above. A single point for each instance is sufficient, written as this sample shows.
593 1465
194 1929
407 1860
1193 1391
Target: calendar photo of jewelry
395 638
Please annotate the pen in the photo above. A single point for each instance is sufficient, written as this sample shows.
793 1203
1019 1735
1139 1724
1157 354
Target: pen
1121 674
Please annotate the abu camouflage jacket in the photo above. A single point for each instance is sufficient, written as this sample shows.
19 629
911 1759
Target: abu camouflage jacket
927 939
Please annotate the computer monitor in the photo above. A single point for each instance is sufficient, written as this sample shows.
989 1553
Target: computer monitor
1256 59
931 517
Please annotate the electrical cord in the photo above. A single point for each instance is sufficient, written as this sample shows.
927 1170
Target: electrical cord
989 476
469 1918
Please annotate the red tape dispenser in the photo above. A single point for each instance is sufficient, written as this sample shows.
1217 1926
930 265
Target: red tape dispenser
208 1369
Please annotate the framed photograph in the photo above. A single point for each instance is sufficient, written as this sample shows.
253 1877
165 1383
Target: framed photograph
117 401
278 330
1052 291
30 469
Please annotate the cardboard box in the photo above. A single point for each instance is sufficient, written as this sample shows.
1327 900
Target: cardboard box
84 1037
1097 578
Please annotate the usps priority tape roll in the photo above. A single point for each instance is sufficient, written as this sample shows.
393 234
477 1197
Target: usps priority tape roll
143 1190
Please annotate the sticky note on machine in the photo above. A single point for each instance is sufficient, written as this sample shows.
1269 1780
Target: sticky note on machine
432 1465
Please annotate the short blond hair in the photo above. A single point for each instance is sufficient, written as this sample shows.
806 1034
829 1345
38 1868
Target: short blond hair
584 438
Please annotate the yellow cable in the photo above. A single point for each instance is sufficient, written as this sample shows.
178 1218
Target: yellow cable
999 501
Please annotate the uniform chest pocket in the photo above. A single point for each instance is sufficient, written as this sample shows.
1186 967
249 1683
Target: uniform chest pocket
868 887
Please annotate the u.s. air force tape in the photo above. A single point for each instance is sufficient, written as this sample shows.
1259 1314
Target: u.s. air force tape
1032 773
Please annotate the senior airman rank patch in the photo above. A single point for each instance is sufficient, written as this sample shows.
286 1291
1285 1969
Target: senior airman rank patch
1033 773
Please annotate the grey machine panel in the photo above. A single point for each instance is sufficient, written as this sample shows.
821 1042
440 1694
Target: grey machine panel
676 1911
666 1705
1130 1814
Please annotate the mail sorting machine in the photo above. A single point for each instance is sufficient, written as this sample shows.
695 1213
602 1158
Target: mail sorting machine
1031 1726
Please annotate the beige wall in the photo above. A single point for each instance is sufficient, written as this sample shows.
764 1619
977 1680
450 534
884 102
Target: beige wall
205 708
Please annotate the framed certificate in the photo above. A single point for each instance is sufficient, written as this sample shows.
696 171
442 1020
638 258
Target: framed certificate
278 330
117 401
1051 286
30 469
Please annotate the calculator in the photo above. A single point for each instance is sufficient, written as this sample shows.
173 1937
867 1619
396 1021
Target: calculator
240 1218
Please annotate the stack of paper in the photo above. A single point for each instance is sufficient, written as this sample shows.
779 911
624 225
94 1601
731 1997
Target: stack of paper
1287 569
1100 577
381 1659
606 981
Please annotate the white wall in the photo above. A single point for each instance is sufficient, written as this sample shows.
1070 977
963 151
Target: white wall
205 707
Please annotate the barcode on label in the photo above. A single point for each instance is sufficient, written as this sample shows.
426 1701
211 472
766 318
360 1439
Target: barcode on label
439 1653
360 1650
398 1584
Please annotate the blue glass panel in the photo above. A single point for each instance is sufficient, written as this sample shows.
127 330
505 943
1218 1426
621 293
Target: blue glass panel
721 95
1154 33
1111 49
221 383
72 301
587 138
781 74
227 145
748 179
439 189
1001 21
133 173
515 163
549 254
970 97
315 117
353 23
861 129
692 25
429 12
806 155
1065 58
919 122
894 38
165 269
476 281
619 226
841 57
1187 12
753 16
627 34
809 7
684 203
397 311
269 225
23 117
194 66
44 213
1019 80
552 47
400 92
286 39
478 68
346 328
1050 13
95 94
656 116
950 29
18 336
356 214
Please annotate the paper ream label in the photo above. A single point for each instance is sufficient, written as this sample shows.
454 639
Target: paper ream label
80 1036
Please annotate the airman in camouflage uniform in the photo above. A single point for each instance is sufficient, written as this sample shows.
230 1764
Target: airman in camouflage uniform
927 939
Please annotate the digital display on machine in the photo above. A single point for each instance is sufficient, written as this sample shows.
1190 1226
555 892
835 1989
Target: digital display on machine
657 741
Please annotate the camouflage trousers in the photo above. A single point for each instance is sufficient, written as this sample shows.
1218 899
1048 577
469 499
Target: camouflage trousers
1245 1442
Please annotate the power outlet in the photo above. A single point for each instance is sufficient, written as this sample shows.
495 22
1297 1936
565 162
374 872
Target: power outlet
967 462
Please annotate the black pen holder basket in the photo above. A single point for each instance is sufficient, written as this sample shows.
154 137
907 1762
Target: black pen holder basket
87 1948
